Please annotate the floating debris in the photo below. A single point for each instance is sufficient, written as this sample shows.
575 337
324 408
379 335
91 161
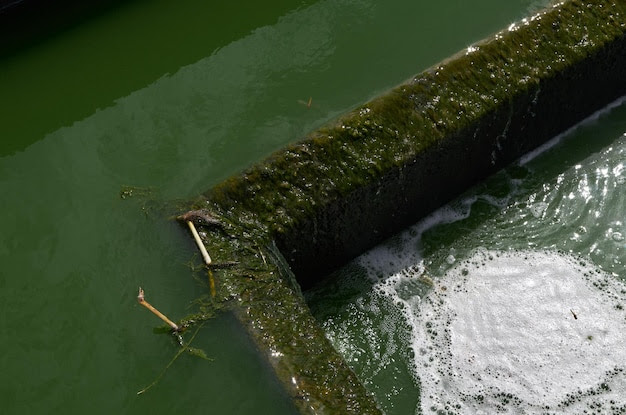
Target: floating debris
131 191
196 237
143 302
200 217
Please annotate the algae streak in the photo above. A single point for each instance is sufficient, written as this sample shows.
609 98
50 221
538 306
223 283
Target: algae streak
348 186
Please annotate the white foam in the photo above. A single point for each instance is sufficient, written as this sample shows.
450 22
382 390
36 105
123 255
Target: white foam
520 332
392 258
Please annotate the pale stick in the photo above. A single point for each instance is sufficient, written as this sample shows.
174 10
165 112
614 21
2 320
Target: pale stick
205 254
143 302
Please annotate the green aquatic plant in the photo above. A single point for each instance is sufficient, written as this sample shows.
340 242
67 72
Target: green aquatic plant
206 309
126 192
184 348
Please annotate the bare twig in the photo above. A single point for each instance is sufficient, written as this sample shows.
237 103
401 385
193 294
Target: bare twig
143 302
205 254
307 103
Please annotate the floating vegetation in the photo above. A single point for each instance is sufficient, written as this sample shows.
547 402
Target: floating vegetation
147 200
207 308
134 191
184 348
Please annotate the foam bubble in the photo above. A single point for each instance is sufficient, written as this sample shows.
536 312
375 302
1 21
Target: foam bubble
521 332
393 258
538 209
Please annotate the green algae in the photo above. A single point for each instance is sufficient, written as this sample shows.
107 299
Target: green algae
184 348
343 188
264 295
206 308
388 132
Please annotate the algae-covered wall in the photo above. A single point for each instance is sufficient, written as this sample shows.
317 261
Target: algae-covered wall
400 156
351 184
249 272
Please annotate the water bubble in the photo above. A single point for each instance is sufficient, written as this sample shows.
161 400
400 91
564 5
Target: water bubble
538 209
450 259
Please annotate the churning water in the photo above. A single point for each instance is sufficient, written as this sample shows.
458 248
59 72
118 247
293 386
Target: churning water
510 299
523 331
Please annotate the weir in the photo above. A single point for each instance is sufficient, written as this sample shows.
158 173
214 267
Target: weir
287 221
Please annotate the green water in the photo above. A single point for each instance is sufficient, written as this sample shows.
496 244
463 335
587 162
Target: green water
171 98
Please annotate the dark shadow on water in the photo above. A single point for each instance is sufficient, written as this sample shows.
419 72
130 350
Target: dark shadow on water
24 23
60 61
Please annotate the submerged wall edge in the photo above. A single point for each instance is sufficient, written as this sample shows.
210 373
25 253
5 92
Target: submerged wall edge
346 187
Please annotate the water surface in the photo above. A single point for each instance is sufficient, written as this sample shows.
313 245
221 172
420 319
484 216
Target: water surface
169 98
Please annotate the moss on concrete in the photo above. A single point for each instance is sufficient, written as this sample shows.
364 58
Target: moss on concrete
251 275
499 99
349 185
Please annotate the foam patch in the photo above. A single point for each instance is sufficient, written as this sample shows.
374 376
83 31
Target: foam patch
521 332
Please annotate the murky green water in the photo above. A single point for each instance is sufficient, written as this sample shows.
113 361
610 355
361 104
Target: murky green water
170 97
